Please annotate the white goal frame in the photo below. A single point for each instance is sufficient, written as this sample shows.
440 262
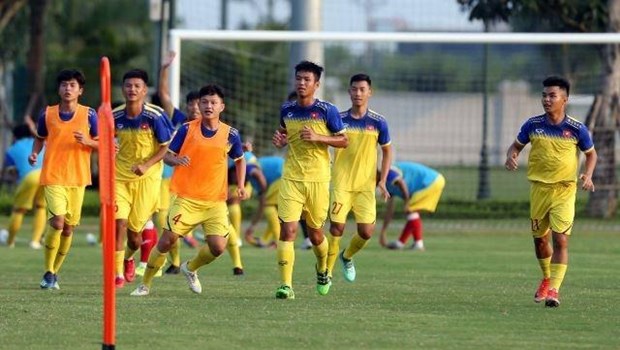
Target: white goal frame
178 35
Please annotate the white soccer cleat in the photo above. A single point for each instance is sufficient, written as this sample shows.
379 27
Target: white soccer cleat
35 245
395 245
192 279
4 236
141 291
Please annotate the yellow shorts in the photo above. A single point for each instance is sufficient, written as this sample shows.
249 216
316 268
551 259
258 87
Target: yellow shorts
427 199
65 200
363 204
29 192
164 195
185 214
136 201
271 197
232 191
552 206
310 197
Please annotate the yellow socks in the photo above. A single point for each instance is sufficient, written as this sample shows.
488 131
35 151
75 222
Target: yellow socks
156 261
545 266
286 260
557 275
119 256
357 243
15 222
39 220
272 232
175 254
129 253
52 241
63 250
332 252
233 247
320 251
203 257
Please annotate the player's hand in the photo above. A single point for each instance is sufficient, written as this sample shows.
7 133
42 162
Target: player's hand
32 158
383 189
241 192
139 169
586 182
307 134
81 139
511 162
247 146
168 59
279 139
182 161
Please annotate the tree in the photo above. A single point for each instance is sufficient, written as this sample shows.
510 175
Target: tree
604 116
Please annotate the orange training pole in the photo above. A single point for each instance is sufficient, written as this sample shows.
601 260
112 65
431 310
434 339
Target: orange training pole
106 195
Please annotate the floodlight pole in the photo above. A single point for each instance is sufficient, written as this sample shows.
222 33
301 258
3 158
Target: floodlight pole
484 189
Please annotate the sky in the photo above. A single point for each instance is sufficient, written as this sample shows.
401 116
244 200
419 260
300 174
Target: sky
337 15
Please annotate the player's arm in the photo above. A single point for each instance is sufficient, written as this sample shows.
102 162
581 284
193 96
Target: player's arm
586 176
387 218
336 140
280 137
141 169
400 182
240 176
163 89
37 146
172 157
512 155
386 163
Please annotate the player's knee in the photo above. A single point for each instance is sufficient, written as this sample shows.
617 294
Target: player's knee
336 229
560 242
57 222
134 240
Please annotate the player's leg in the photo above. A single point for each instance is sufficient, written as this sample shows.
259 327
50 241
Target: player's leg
22 202
38 219
57 204
232 246
123 203
149 240
317 205
365 211
290 204
340 206
425 200
539 221
271 235
561 219
15 223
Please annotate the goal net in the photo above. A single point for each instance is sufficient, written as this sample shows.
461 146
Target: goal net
431 87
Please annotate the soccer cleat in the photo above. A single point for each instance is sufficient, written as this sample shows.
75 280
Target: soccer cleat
541 292
48 280
285 292
172 270
192 279
119 282
141 291
129 270
35 245
307 244
323 282
417 248
553 298
348 269
395 245
237 271
56 286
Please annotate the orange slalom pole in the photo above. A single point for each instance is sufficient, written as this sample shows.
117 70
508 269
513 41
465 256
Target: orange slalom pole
106 195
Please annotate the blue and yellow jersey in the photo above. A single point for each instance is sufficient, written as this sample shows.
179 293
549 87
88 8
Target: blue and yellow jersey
206 176
271 166
178 118
139 139
308 161
416 176
17 156
355 167
554 156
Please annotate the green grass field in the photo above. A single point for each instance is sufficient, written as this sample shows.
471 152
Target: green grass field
471 289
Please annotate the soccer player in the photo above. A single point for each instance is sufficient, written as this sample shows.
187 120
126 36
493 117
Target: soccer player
354 175
553 163
29 193
68 131
143 132
308 125
270 169
199 151
420 187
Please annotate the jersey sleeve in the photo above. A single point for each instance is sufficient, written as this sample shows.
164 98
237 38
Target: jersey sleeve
524 134
179 138
393 176
236 150
8 160
41 126
334 121
163 129
178 117
384 134
585 140
92 123
282 114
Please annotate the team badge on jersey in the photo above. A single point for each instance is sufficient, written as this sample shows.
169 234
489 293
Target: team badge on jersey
567 133
144 126
314 115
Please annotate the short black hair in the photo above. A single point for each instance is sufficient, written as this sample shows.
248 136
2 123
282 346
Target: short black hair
155 99
137 73
210 90
307 66
21 131
192 95
360 77
70 74
558 81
